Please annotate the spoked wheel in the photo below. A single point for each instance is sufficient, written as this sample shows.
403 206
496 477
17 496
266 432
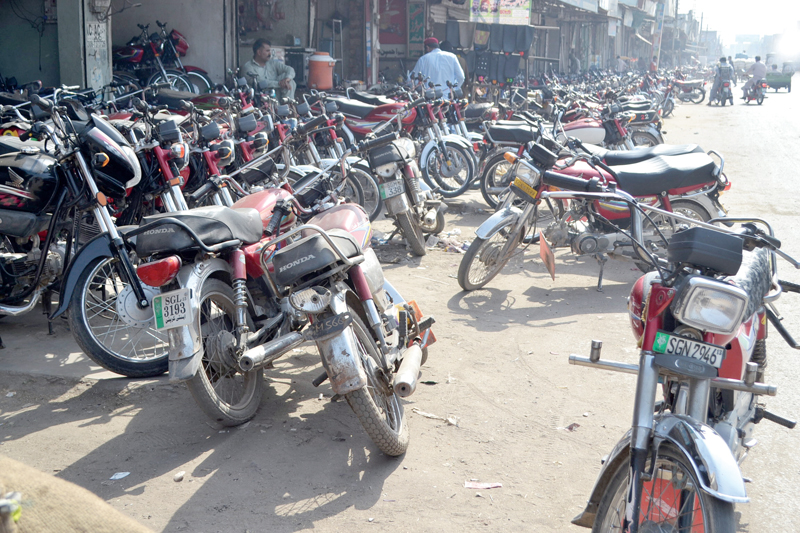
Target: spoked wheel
643 139
669 107
699 97
221 389
177 81
452 172
495 179
411 230
485 258
672 501
651 238
111 329
201 83
377 406
373 203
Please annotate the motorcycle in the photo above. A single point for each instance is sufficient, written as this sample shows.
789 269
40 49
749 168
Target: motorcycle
140 60
724 94
700 322
690 90
757 92
233 301
589 228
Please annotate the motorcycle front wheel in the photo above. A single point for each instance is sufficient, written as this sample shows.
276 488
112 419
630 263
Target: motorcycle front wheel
485 258
696 99
452 173
412 232
110 328
177 81
377 406
670 501
495 179
221 389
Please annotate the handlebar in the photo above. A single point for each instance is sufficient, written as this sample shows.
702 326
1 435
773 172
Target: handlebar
304 128
571 183
380 141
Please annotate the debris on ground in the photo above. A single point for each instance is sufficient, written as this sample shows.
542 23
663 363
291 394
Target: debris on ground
481 486
451 420
120 475
177 478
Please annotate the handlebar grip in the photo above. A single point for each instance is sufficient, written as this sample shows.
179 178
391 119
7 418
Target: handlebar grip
274 222
201 191
41 102
570 183
771 240
139 104
311 124
380 141
415 103
186 105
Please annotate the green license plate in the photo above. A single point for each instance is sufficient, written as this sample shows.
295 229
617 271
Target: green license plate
172 309
671 344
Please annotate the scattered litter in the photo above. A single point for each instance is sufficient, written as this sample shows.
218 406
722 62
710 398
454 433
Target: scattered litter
27 405
120 475
451 420
481 486
456 231
430 382
478 495
321 397
177 478
432 241
287 496
293 429
573 426
390 500
586 414
371 519
339 437
223 431
11 394
553 353
450 379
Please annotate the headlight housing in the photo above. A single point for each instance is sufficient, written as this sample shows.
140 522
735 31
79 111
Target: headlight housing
130 155
387 170
527 174
710 305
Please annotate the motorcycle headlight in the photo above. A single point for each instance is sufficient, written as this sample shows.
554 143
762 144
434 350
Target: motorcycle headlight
710 305
137 169
179 153
528 174
386 171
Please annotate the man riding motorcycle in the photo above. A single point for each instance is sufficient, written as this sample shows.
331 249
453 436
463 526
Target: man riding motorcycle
723 72
759 72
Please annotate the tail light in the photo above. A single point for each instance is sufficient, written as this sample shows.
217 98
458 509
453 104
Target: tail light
159 273
764 85
726 84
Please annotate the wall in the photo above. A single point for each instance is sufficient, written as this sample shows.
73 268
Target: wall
20 45
202 22
269 24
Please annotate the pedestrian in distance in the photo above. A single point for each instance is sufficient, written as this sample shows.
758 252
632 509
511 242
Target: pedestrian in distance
277 74
622 66
438 65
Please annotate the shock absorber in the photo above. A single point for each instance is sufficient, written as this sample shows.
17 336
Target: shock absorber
240 301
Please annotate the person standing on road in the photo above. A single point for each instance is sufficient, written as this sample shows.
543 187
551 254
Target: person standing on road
722 72
622 66
438 65
277 74
759 72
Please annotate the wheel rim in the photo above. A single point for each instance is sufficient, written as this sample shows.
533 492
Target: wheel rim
489 260
219 366
670 502
126 339
381 393
452 176
641 140
371 193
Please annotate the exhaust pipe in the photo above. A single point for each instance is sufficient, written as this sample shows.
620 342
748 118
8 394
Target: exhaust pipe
430 217
266 353
14 310
405 381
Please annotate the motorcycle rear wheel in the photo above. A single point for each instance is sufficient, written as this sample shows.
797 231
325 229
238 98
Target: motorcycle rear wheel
200 81
485 258
412 232
697 100
760 99
221 389
495 179
377 406
114 335
454 181
177 80
643 139
671 501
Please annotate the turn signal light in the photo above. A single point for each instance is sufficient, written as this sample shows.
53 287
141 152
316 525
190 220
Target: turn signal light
160 272
511 157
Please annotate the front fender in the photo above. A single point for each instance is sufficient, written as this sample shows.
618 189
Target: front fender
497 221
340 355
711 460
97 248
185 342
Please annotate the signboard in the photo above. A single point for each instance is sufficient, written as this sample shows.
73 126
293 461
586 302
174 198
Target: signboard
393 28
416 29
588 5
502 11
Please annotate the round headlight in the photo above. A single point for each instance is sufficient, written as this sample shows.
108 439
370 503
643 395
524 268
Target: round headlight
179 154
227 150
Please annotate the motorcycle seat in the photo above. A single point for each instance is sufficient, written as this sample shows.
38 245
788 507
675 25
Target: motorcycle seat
172 99
636 106
311 254
755 277
664 173
213 224
355 108
367 98
477 110
627 157
692 83
520 133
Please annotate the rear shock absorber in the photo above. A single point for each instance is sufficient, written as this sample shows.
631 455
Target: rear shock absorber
240 301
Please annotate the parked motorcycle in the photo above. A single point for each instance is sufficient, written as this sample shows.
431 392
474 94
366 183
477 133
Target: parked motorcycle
690 90
140 60
233 301
700 322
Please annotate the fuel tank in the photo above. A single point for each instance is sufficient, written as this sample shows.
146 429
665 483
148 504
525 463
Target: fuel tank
28 179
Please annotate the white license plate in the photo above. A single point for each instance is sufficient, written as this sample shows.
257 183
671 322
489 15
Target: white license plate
391 189
172 309
668 343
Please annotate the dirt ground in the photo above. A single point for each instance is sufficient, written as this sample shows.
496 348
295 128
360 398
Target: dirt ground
497 382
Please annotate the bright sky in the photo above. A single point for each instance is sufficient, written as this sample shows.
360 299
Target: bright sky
732 17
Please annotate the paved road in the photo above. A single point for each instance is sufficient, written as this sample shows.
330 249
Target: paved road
499 369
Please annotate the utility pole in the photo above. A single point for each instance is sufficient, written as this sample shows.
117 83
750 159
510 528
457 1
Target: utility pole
676 33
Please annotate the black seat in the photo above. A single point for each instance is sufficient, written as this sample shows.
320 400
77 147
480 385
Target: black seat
367 98
664 173
354 108
627 157
172 99
311 254
213 224
636 106
522 133
754 276
477 110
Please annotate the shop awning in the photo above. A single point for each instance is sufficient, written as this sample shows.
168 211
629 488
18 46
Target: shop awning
645 41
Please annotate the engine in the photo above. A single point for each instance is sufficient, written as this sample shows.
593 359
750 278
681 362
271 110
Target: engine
18 270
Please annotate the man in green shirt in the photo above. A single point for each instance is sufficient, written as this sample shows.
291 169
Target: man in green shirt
278 75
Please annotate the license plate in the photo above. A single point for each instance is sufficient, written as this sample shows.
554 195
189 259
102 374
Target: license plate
527 189
172 309
391 189
668 343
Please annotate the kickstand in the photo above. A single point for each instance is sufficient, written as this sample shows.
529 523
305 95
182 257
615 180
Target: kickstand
47 304
602 259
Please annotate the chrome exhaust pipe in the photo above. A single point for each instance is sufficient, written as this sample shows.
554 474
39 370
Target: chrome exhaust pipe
430 217
16 310
266 353
405 381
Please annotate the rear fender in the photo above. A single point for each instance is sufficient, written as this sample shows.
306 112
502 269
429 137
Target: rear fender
711 460
340 354
500 219
185 343
97 248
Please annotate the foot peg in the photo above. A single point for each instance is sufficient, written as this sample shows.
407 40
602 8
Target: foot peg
772 417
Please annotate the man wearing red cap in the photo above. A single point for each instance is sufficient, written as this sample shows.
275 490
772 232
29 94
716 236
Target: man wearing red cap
438 65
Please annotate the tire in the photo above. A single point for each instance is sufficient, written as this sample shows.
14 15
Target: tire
760 99
671 463
377 406
644 138
129 347
218 370
696 99
485 259
177 80
453 181
200 81
495 176
373 203
412 232
436 227
129 81
352 191
654 243
723 101
669 107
